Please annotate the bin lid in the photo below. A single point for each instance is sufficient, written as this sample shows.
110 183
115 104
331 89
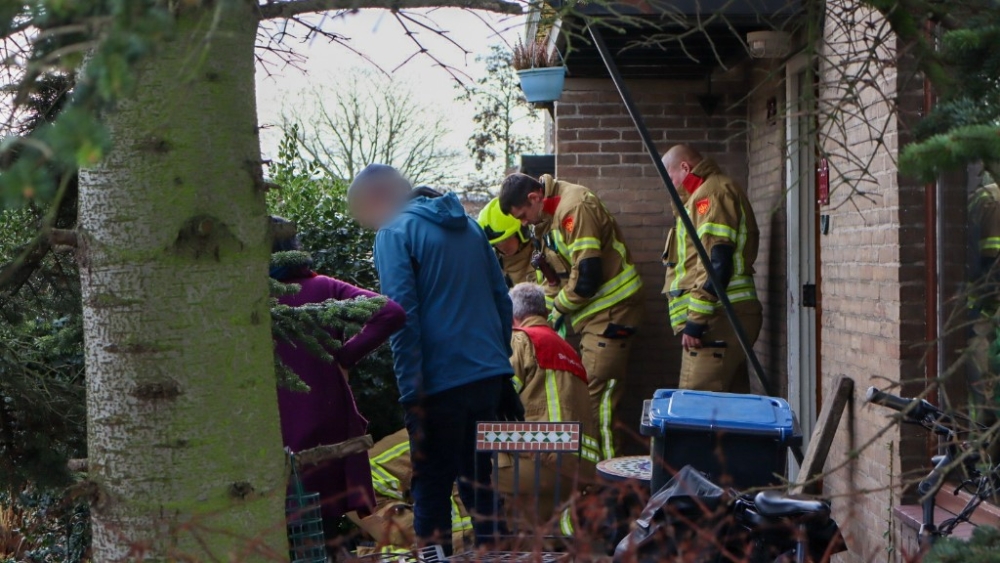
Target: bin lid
679 409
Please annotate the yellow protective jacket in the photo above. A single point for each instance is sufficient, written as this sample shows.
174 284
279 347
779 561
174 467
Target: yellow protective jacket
721 214
517 267
391 473
578 227
554 395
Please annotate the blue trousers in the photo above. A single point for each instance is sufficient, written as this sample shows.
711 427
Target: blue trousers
442 429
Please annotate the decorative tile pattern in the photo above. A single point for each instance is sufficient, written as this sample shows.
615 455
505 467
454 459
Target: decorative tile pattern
528 437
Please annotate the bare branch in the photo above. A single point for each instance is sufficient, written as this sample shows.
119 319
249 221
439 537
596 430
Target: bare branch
341 450
274 10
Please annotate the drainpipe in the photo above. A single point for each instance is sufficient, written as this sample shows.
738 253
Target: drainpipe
931 260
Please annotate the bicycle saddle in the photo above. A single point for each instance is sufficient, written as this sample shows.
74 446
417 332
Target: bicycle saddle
774 505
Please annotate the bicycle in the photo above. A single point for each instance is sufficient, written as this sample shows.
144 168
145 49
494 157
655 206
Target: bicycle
693 519
964 455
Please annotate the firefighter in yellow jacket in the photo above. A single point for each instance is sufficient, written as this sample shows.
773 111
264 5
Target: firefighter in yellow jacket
713 359
391 523
602 299
552 383
511 242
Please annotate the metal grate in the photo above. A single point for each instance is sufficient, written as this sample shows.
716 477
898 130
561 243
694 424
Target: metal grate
304 522
429 554
510 557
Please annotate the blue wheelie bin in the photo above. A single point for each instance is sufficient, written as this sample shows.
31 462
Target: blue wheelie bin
737 440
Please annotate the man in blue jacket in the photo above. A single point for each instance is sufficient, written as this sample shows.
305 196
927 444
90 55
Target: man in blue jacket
452 356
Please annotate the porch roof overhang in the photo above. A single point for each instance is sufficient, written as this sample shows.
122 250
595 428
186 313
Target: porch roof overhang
668 39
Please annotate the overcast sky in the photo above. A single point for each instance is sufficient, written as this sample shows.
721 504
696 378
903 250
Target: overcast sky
378 35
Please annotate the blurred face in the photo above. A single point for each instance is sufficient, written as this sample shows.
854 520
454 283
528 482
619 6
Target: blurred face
378 202
508 246
531 213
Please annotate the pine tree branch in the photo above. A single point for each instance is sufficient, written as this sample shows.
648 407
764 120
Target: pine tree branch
275 10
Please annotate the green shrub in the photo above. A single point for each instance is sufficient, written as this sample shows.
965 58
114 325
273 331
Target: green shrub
982 547
43 528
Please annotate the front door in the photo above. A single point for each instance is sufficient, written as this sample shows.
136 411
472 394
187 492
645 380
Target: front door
802 249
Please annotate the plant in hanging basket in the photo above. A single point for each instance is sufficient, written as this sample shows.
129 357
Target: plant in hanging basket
535 54
540 70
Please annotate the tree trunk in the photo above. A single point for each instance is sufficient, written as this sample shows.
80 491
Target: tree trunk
183 433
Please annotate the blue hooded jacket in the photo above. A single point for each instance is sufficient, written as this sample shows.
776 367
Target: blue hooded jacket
437 264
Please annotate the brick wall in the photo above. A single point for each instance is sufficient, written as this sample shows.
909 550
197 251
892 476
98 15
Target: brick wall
597 146
766 189
872 271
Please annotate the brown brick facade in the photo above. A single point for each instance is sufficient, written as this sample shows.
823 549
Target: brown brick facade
766 187
872 270
872 264
597 146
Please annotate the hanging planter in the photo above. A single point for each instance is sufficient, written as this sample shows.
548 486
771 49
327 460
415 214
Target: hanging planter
542 84
540 71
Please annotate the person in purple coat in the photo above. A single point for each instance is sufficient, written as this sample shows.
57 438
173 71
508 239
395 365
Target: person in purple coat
327 414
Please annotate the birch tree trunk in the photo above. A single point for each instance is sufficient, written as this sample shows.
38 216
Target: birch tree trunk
183 431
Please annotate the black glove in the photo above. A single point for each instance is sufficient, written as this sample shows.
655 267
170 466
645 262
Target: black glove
510 408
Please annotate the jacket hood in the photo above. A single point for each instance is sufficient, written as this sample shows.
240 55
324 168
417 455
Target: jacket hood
446 211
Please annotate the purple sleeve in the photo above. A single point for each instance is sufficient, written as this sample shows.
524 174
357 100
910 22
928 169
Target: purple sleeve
377 330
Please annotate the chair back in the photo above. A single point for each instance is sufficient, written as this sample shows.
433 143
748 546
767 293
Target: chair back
537 439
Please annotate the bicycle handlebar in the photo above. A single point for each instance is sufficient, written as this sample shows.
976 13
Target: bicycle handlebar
914 409
886 399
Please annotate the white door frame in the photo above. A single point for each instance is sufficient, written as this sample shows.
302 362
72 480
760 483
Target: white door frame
800 201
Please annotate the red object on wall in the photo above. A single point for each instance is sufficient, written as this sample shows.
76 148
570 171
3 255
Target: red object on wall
823 182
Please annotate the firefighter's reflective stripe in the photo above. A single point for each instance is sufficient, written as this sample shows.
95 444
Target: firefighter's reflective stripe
518 384
392 453
402 552
382 481
741 245
621 287
741 288
679 309
566 523
385 484
590 449
990 243
583 243
718 230
680 270
459 523
700 306
607 439
560 245
612 292
552 396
